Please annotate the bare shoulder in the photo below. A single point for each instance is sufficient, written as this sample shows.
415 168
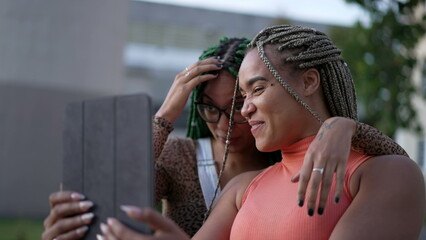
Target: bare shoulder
388 201
390 172
219 223
397 167
239 184
242 180
392 181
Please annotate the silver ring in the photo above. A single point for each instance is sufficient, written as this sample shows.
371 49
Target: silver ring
187 74
320 170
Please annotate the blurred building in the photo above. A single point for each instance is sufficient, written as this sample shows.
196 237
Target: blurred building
162 45
51 53
415 143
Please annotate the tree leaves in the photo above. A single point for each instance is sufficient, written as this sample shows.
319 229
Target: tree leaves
382 61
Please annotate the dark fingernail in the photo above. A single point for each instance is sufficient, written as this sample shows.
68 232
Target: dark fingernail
311 212
300 203
217 57
320 211
219 65
336 200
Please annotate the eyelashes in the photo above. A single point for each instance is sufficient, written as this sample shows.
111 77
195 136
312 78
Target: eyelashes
256 91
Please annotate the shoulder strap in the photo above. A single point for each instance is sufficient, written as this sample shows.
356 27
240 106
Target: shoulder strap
206 169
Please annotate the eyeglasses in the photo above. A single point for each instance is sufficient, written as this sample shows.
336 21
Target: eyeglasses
211 113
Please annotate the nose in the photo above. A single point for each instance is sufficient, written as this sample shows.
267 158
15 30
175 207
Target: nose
247 109
223 122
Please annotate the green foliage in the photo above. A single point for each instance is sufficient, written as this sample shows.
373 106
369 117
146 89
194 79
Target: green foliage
20 229
382 60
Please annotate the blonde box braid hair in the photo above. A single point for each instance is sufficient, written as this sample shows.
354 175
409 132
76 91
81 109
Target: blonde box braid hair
314 50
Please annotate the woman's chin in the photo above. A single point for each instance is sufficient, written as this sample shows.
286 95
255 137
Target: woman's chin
261 147
264 147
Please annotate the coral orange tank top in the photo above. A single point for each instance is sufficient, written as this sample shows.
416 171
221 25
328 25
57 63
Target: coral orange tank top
269 206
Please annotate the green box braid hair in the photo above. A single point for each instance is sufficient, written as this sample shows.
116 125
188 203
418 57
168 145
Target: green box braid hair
231 51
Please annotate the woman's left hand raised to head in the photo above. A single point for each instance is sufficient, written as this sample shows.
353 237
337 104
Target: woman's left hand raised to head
327 154
164 227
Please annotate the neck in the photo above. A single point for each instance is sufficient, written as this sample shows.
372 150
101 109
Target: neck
317 103
237 162
309 127
243 162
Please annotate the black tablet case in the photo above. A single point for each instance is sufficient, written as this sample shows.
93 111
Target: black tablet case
107 155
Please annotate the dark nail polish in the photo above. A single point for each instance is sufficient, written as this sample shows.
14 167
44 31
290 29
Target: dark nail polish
217 57
311 212
320 211
219 65
300 203
336 200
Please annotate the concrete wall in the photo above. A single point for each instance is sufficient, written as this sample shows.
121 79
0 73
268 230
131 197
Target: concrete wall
52 52
31 120
74 44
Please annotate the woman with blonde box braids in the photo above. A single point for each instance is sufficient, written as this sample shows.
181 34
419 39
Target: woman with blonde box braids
188 170
292 79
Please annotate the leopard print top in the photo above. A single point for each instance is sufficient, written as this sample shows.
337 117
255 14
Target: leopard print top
177 178
371 141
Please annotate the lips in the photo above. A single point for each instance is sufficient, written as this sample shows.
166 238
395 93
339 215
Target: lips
256 126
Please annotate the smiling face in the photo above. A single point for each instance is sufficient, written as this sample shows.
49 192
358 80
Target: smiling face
276 119
219 93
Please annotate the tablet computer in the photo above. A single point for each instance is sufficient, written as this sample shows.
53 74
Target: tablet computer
107 156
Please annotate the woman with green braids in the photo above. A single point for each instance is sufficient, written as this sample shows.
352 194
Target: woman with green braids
188 169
